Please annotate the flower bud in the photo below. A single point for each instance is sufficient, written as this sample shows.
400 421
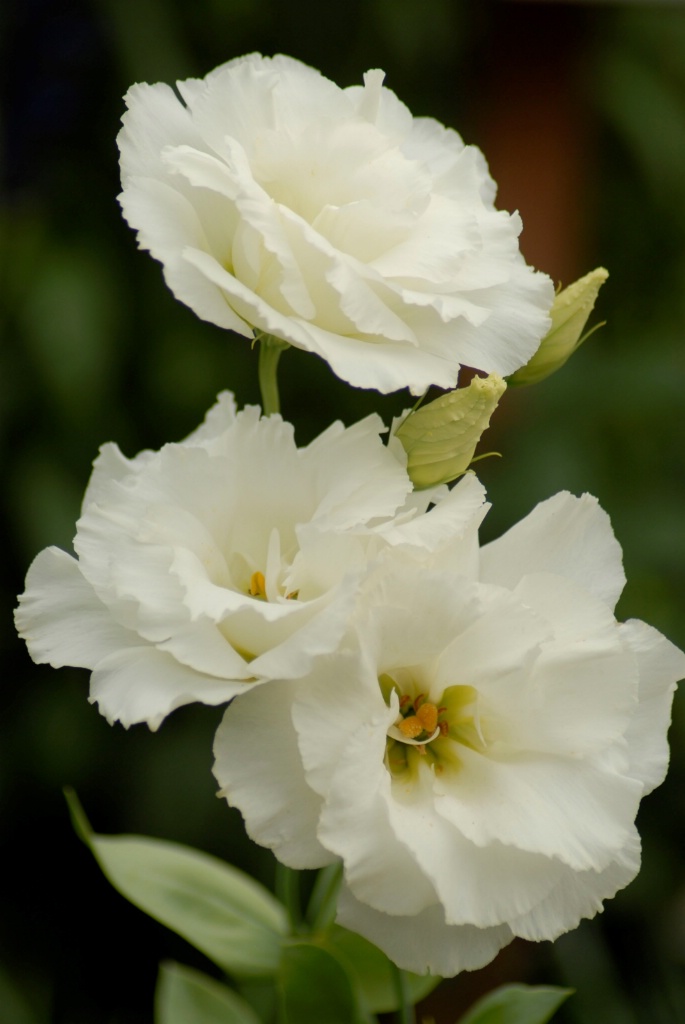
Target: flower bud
569 314
440 438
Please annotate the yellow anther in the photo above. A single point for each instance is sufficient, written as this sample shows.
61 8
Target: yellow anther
427 714
411 727
257 585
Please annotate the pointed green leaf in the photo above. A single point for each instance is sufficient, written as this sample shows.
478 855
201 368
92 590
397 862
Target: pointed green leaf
517 1004
372 972
440 438
221 911
316 988
185 996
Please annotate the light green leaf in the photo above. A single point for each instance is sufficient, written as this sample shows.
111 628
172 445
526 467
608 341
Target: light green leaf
315 988
517 1004
440 438
17 1005
185 996
221 911
372 972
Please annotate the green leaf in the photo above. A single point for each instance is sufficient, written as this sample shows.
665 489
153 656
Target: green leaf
315 988
517 1004
17 1004
372 972
185 996
221 911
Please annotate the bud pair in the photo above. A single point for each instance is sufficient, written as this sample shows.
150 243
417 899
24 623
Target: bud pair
440 438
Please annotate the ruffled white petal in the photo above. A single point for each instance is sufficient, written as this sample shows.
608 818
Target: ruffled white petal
569 536
257 766
580 894
660 665
61 620
423 943
143 684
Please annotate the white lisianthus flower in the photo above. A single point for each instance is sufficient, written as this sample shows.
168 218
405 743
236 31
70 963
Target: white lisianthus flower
228 559
476 758
332 219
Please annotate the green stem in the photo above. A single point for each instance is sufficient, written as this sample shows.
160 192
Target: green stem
405 1012
270 349
324 898
288 892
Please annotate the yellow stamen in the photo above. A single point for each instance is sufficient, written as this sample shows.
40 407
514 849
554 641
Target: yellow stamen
410 727
257 585
427 715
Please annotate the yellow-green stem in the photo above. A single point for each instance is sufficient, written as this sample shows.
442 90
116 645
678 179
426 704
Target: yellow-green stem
405 1011
270 349
288 892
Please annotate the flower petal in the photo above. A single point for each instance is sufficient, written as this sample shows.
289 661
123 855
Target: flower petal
257 766
423 942
61 619
660 665
565 535
142 684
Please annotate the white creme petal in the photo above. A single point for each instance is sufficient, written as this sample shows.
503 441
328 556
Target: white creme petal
564 535
61 618
423 943
258 767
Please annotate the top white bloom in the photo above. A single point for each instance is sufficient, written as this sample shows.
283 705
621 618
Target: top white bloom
332 219
225 560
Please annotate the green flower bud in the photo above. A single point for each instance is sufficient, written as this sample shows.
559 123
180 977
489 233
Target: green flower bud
569 313
440 438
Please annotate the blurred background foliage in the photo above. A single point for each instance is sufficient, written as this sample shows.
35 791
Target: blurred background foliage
580 109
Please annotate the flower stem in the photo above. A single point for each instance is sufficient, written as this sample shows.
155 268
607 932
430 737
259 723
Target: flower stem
288 892
270 349
405 1011
324 898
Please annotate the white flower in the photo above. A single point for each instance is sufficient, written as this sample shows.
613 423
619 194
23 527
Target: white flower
229 558
476 761
332 219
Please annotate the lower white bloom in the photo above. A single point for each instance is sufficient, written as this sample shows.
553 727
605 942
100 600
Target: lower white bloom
225 560
476 759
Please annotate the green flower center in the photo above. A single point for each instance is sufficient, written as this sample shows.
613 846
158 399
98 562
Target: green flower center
429 731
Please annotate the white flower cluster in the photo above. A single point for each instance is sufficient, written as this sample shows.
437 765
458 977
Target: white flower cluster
468 730
332 219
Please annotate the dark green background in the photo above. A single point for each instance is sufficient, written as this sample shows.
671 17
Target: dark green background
95 348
